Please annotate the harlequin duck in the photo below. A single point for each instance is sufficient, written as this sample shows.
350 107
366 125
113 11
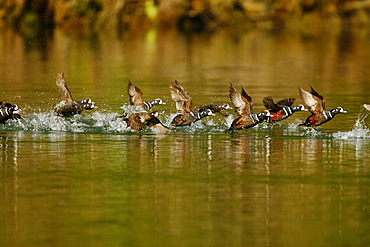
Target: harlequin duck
136 98
184 103
68 107
191 117
9 111
244 109
282 109
316 105
138 121
214 108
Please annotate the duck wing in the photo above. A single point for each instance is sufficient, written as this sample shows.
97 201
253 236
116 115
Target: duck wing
314 101
242 101
135 94
135 122
181 97
285 102
64 92
269 104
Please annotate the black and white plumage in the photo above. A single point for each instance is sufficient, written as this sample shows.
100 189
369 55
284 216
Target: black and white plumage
191 117
69 107
214 108
9 111
282 109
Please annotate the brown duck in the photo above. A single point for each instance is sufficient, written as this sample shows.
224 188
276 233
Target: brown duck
316 105
244 109
138 121
184 104
68 106
9 111
136 98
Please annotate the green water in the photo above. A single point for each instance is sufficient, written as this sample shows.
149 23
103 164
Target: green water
89 181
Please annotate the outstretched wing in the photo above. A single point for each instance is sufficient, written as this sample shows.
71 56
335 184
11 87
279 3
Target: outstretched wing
242 101
314 101
285 102
320 98
135 94
65 94
135 122
181 97
269 104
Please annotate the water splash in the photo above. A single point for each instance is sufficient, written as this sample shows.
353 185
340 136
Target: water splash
130 109
295 124
313 132
360 129
110 122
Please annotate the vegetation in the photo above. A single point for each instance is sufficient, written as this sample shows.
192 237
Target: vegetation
190 15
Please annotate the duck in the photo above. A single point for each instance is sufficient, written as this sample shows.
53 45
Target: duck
244 109
366 106
282 109
9 111
68 107
215 108
138 121
186 115
316 105
136 98
191 117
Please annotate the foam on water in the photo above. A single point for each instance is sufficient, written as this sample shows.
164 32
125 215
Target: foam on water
101 122
313 132
294 124
360 129
108 122
229 120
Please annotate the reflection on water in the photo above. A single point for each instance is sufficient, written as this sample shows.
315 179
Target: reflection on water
89 181
262 187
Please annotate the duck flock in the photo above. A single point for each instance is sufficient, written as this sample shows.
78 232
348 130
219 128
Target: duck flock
187 114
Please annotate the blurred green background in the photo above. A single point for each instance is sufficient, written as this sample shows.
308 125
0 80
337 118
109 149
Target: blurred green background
190 15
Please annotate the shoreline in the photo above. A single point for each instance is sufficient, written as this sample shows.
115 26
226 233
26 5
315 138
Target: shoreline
189 16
